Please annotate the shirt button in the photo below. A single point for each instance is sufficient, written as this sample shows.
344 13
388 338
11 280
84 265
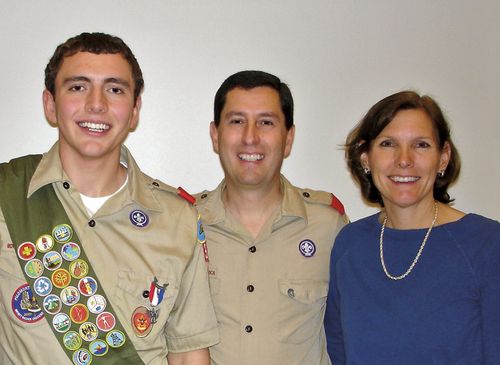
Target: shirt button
252 249
306 194
155 184
250 288
248 329
145 293
291 293
203 196
92 223
66 185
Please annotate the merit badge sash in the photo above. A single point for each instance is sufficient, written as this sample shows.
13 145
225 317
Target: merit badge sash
60 278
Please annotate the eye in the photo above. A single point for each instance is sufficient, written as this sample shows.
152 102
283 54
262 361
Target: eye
422 144
236 121
386 143
116 90
76 88
267 122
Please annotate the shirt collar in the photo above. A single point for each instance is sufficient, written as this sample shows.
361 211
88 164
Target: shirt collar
292 205
50 170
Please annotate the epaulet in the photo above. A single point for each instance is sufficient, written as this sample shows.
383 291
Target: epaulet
323 197
202 239
185 195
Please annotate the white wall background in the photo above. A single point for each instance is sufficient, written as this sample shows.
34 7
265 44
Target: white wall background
339 58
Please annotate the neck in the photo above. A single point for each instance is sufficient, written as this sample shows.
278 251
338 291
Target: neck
95 177
413 217
253 208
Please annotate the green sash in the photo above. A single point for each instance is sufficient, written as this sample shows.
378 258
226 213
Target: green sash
43 214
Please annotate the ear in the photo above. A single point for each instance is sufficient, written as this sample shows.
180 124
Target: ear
290 136
135 113
445 156
49 107
363 158
214 135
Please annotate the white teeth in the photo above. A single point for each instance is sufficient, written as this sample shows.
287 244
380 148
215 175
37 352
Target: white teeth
94 127
251 157
404 179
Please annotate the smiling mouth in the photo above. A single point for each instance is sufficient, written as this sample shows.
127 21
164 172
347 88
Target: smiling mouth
251 157
404 179
94 127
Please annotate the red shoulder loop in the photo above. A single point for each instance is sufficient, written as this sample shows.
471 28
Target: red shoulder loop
185 195
337 205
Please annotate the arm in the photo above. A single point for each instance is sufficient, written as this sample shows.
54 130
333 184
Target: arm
333 324
195 357
490 305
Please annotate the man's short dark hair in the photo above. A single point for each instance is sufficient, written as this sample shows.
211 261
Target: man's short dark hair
251 79
97 43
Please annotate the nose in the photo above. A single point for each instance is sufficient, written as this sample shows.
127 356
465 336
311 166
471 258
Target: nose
250 134
404 158
96 101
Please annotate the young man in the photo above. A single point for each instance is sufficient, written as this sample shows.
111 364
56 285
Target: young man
98 262
269 242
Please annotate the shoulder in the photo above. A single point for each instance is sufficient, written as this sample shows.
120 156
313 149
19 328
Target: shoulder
323 199
20 164
162 190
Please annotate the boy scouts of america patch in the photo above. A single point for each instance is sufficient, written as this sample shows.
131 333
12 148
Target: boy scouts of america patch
24 305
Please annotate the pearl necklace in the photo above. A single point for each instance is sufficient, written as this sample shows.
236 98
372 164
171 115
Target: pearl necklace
418 253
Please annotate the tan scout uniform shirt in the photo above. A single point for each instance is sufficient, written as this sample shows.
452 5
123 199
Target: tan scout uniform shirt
125 258
269 297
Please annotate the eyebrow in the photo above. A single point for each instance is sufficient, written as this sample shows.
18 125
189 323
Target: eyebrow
108 80
263 114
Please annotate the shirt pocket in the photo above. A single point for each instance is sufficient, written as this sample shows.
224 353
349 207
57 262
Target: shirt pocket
301 310
129 295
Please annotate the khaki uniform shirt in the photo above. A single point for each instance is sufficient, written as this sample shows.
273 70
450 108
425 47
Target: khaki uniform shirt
269 293
126 258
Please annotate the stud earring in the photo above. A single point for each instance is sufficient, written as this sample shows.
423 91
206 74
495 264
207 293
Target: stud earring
366 170
441 173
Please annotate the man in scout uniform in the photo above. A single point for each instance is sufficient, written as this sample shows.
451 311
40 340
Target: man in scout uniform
269 241
98 262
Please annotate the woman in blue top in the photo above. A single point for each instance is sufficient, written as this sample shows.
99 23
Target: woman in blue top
419 282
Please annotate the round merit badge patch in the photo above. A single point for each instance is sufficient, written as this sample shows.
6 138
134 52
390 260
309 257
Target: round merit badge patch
24 305
307 248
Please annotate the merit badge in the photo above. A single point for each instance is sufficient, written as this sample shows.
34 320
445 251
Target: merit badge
141 322
82 357
52 260
96 304
70 251
307 248
87 286
61 322
61 278
26 251
139 218
62 233
115 338
105 321
72 340
42 286
88 331
44 243
33 268
70 295
78 269
98 347
79 313
24 305
52 304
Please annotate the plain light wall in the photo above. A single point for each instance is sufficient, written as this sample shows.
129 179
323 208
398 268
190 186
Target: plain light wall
338 57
